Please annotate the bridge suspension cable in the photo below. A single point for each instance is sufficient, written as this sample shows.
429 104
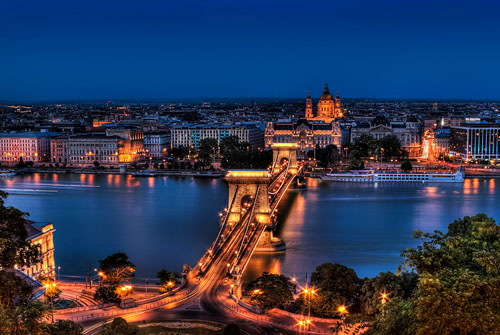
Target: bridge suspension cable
249 220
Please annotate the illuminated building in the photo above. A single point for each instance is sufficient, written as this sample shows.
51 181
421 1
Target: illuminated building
156 144
59 149
408 132
316 129
133 149
191 135
84 150
328 108
42 234
34 147
305 133
475 141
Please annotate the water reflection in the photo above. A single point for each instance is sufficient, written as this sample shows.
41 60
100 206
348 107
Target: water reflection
168 222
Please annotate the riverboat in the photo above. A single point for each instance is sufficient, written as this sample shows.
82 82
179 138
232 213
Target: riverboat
7 173
376 176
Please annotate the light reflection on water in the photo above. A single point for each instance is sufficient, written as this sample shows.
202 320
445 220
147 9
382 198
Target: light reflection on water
167 222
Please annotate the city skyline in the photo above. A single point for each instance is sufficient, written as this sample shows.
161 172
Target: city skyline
187 50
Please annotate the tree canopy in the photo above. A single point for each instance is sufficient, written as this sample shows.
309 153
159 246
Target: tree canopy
271 291
458 283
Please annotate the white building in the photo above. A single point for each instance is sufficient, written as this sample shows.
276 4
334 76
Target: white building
34 147
191 135
156 144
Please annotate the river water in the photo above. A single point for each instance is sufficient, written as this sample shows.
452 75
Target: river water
165 222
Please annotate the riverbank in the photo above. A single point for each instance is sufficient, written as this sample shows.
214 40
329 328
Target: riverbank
173 173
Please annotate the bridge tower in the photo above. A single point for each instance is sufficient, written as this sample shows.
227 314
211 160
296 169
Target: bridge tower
282 151
248 183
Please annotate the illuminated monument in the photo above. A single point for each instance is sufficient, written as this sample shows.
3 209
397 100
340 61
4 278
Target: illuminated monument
317 128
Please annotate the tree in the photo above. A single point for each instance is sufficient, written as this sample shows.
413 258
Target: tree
458 283
394 286
398 318
114 269
271 291
168 280
96 164
363 146
19 313
336 285
207 150
179 152
119 327
327 156
106 294
356 164
231 329
390 147
65 327
459 278
14 248
406 166
21 163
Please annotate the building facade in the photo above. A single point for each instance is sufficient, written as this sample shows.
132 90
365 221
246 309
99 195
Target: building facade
191 135
409 133
328 108
34 147
475 141
307 134
84 150
59 150
133 149
156 144
42 234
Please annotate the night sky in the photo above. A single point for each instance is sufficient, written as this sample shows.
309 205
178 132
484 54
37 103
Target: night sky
86 49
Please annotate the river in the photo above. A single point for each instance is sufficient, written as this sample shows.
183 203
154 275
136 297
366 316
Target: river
165 222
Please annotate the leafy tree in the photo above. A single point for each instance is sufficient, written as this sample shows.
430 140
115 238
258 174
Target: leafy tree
19 313
116 268
239 155
21 163
231 329
459 278
327 156
96 164
207 150
119 327
394 286
14 248
179 152
356 164
336 285
168 280
107 293
271 291
398 318
406 166
65 327
363 146
390 146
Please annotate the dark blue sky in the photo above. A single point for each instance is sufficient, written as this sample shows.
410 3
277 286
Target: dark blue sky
86 49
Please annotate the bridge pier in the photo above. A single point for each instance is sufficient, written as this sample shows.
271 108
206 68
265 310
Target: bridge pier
270 243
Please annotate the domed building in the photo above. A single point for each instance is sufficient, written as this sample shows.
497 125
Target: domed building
328 108
318 128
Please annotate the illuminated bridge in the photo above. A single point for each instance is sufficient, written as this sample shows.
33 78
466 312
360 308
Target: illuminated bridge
248 222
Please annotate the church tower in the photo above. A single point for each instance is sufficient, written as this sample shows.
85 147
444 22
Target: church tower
309 107
326 104
338 106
